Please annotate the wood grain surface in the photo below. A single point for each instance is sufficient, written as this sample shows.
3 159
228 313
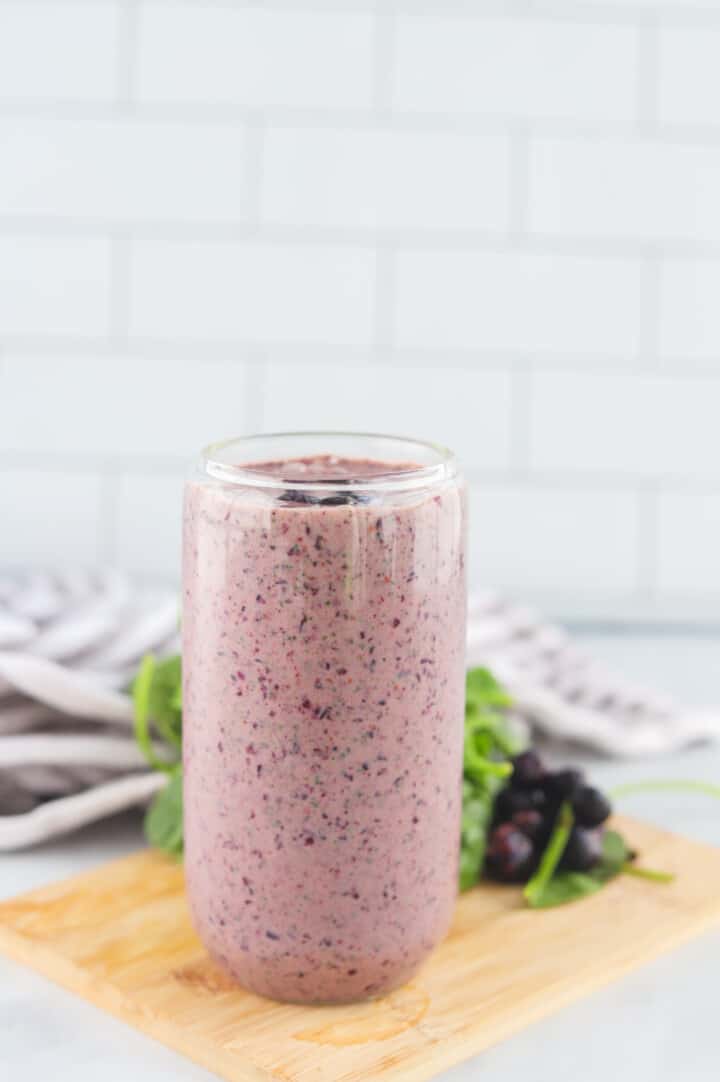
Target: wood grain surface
120 937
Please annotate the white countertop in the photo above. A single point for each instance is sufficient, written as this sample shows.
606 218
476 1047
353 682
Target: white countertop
657 1025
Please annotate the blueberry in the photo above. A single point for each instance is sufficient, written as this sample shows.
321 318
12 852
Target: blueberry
509 801
510 854
564 784
341 498
583 850
530 823
297 497
539 800
528 769
338 500
591 807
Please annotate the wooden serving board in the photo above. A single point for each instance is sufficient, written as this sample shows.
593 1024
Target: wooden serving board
120 936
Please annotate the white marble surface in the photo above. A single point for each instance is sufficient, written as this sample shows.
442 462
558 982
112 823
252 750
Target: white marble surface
657 1025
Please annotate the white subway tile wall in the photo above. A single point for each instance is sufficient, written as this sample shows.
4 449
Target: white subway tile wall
528 540
202 55
529 304
632 425
689 313
50 517
690 83
53 288
689 540
251 292
147 525
161 409
528 69
493 224
469 410
122 171
56 53
386 180
624 188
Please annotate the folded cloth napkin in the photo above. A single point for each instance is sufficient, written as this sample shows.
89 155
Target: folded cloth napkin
71 641
564 695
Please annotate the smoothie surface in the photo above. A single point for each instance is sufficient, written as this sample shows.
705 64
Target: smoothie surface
319 468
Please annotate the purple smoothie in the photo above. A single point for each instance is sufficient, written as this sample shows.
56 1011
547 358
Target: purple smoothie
323 658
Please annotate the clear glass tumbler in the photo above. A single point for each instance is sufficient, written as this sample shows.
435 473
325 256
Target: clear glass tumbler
324 675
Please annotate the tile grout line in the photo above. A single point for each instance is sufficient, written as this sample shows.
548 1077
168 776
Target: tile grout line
120 290
255 136
648 355
472 358
255 396
521 382
384 60
384 304
409 238
647 547
648 80
520 10
109 495
365 118
128 16
519 187
562 11
111 465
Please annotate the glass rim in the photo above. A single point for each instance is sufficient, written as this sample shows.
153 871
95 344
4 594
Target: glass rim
411 476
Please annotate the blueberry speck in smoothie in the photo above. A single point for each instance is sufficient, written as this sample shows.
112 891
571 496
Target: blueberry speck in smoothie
299 498
341 499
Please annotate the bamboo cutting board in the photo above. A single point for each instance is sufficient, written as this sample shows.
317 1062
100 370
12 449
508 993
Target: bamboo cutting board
120 937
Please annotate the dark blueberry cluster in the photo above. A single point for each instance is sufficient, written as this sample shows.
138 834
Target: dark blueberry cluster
337 499
525 814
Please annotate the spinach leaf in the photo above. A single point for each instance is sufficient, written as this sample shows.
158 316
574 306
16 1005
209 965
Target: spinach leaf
483 690
649 873
668 785
537 886
615 854
166 699
475 824
488 745
157 694
164 818
154 692
157 699
564 887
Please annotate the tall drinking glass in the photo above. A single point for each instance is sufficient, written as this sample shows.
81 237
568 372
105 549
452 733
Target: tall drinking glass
324 676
